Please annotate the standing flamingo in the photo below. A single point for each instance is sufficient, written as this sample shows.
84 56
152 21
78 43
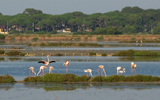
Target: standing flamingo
66 64
133 67
89 71
120 71
50 69
102 68
141 43
41 68
32 69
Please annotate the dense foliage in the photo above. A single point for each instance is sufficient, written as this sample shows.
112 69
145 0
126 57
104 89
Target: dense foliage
84 78
129 20
6 79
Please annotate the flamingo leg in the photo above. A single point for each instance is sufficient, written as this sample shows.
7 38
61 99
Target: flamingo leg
101 72
98 71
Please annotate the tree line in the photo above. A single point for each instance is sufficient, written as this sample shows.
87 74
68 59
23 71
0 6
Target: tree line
130 20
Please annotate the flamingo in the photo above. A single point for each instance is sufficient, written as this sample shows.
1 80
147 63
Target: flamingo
89 71
50 69
66 64
32 69
141 43
133 66
45 62
102 68
41 68
120 71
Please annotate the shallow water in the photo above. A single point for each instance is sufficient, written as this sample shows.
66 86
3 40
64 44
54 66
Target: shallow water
18 67
85 91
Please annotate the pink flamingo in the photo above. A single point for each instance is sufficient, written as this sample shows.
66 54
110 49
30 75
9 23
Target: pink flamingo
32 69
41 68
102 69
50 69
45 62
66 64
133 67
89 71
120 71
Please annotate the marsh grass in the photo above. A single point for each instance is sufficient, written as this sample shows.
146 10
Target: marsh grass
15 53
6 79
136 53
74 78
58 78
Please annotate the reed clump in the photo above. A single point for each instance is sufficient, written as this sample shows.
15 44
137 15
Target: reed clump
74 78
58 78
6 79
136 53
15 53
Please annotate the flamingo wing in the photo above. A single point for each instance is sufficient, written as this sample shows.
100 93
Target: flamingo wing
52 61
42 61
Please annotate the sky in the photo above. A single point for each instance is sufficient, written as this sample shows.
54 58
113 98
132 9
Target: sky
56 7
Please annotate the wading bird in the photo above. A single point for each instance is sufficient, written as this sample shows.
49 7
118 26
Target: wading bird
120 71
89 72
133 67
32 69
50 69
41 68
102 69
66 64
45 62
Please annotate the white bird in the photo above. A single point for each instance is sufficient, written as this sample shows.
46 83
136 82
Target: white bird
66 64
50 69
120 71
45 62
133 67
41 68
102 68
32 69
89 71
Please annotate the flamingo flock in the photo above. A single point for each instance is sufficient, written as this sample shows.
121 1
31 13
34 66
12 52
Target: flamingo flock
100 70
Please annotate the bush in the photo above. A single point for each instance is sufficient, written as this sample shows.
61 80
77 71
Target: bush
2 37
15 53
2 52
92 53
6 79
35 39
104 54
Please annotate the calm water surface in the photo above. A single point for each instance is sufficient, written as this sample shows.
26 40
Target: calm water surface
85 91
18 67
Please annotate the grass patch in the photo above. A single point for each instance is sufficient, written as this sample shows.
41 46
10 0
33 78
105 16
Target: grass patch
74 78
15 53
6 79
136 53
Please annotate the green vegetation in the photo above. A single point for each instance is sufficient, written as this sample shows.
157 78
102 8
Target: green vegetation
104 54
15 53
2 37
100 38
65 44
2 52
6 79
136 53
58 78
35 39
130 20
84 78
92 54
